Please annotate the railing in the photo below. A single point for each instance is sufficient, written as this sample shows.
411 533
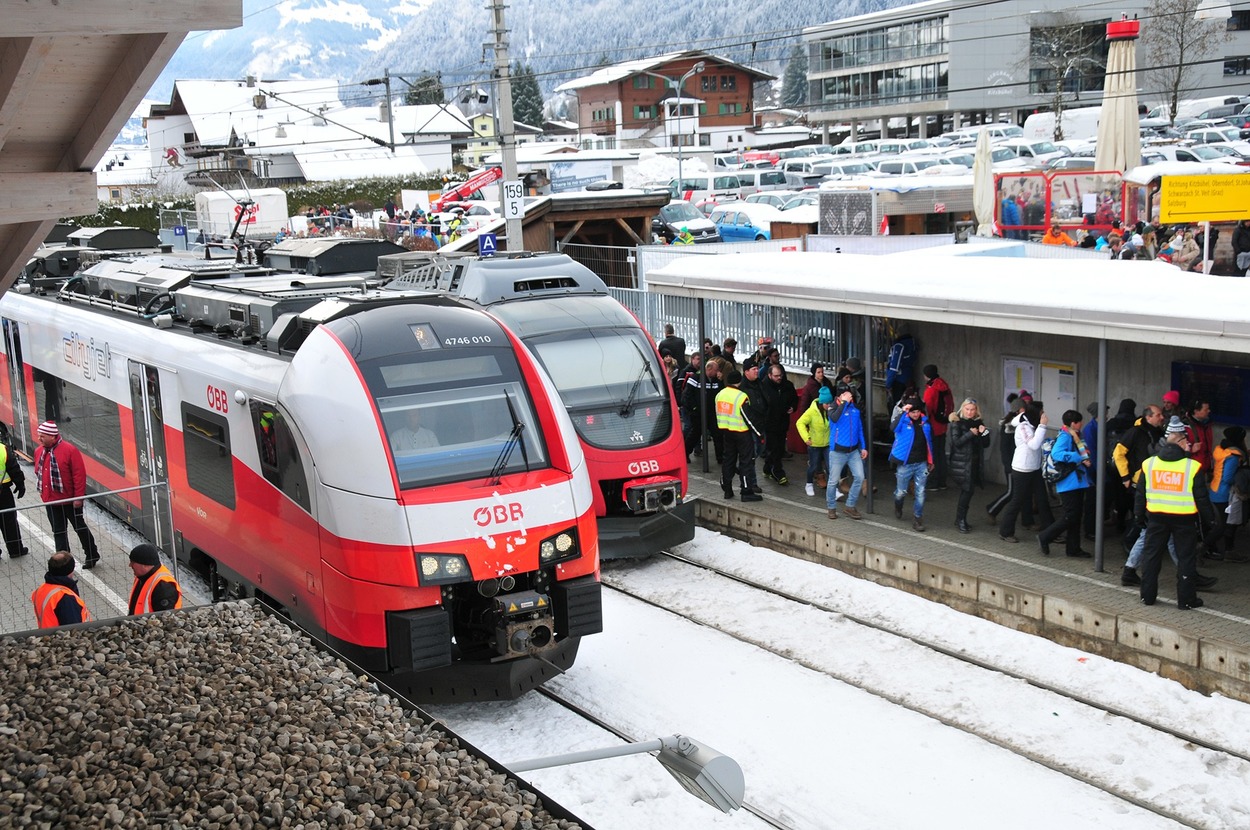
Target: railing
106 588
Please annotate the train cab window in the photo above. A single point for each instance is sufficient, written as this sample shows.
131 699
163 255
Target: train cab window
280 461
89 421
456 418
208 460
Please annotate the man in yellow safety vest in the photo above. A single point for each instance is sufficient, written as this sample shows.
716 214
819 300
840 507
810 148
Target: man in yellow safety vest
1172 495
732 405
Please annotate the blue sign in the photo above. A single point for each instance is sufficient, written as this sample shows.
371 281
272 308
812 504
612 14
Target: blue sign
486 244
180 230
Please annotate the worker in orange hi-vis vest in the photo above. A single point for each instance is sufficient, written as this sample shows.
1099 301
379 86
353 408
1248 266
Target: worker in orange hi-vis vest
155 588
57 601
1172 496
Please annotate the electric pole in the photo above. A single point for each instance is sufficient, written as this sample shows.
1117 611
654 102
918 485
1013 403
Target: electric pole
511 188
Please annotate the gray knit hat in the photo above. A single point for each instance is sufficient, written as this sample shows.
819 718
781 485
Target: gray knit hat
1175 425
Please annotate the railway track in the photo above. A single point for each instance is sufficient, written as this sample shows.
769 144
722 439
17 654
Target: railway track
1219 754
591 717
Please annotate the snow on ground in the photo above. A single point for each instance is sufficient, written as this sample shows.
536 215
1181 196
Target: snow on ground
824 754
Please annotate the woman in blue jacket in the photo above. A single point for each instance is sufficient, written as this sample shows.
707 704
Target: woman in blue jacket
1069 448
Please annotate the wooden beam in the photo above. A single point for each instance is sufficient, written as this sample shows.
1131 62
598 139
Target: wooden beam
573 232
33 18
629 230
26 196
20 61
128 83
17 246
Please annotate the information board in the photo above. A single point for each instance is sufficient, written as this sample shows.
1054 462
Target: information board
1219 198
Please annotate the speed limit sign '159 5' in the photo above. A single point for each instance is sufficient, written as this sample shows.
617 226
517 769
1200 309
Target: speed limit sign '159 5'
513 200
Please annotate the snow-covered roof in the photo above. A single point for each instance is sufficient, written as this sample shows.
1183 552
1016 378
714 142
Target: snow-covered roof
216 108
319 164
124 166
620 71
1148 172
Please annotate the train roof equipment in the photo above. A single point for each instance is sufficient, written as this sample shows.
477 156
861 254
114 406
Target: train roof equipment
329 255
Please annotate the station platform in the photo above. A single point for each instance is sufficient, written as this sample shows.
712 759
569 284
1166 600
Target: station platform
1061 598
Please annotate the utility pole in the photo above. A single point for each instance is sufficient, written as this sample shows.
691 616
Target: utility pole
390 106
511 189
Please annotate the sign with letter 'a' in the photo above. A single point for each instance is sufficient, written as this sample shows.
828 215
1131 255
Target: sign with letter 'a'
486 244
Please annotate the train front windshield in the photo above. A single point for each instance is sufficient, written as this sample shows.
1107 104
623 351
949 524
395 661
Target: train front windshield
615 389
456 416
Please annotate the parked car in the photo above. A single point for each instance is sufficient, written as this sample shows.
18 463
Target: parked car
1213 135
769 156
1068 164
754 181
842 169
1198 153
809 198
906 167
480 215
775 198
1040 151
729 161
745 223
694 187
676 216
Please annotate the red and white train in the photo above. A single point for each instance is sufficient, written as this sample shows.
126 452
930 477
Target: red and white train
394 471
607 372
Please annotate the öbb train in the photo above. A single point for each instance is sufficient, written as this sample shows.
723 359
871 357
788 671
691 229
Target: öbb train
606 370
394 471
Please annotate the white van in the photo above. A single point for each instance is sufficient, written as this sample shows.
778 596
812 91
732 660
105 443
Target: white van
756 181
1193 107
699 186
1080 122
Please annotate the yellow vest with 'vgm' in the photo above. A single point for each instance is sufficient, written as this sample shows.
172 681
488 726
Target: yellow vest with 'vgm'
1169 485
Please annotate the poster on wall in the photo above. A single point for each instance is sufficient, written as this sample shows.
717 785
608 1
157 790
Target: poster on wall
1057 389
1018 374
568 176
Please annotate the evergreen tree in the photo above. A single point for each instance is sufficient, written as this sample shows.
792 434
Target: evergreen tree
426 89
794 81
527 98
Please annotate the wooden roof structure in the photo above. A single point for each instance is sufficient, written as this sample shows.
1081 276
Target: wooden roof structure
71 74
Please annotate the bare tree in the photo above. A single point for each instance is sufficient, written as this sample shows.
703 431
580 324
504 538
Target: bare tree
1176 39
1067 57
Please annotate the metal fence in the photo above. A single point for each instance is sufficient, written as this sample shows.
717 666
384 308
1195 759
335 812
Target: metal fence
106 588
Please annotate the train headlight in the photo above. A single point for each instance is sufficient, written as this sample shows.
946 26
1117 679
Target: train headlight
441 568
559 548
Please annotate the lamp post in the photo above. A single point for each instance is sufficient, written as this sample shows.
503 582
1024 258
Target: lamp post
679 84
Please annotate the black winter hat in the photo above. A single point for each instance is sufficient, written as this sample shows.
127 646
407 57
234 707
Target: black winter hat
145 554
1235 434
930 371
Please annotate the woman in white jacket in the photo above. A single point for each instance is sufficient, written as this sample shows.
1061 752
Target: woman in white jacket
1026 473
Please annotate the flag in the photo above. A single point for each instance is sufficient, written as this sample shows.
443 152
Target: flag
884 230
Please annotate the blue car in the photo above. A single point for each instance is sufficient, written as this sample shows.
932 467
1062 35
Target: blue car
737 225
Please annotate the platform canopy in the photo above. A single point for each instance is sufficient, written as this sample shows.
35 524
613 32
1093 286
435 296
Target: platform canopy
71 74
1150 302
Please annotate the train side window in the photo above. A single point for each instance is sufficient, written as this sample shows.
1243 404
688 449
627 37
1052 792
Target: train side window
280 461
207 456
89 421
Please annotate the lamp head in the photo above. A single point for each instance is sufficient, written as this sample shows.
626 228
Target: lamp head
699 67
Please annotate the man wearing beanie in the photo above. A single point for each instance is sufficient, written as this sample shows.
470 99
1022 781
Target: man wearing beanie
61 476
155 588
1172 493
57 601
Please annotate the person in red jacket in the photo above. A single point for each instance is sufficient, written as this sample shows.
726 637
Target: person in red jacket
62 480
939 403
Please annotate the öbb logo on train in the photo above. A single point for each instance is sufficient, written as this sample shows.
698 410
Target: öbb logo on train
218 399
498 514
637 468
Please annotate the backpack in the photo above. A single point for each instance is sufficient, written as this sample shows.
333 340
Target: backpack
945 406
1052 470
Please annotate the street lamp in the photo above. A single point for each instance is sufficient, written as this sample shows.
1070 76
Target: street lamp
694 70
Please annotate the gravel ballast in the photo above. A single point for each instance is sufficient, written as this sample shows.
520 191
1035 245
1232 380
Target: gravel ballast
223 717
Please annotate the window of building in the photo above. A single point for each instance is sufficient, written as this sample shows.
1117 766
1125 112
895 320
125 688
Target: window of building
1239 21
115 195
89 421
687 110
644 82
705 140
1237 66
702 109
207 458
188 138
728 83
709 83
730 108
1078 53
644 112
901 42
885 86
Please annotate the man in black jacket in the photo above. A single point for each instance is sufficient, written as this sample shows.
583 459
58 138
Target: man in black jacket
700 418
780 401
673 346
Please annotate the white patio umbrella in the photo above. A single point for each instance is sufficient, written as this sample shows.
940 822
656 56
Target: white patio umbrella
983 198
1119 136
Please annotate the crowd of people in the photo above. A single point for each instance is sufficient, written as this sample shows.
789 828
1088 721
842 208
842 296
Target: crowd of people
1169 482
61 480
1178 245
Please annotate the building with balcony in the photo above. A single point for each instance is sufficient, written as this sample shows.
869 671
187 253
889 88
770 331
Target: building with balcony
636 104
943 64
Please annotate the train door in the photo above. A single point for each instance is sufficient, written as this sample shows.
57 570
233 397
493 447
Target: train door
149 418
18 429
